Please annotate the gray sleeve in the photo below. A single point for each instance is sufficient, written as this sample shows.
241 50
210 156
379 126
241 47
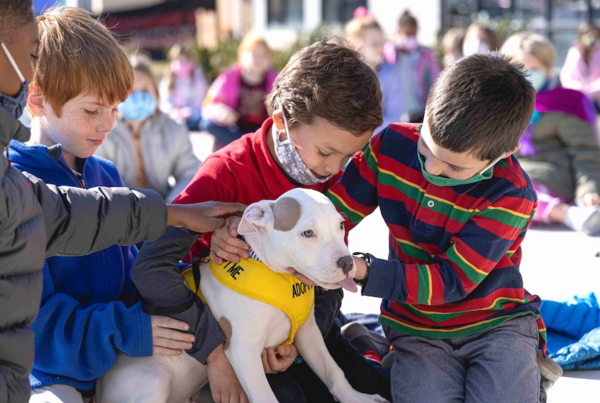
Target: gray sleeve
156 276
581 142
82 221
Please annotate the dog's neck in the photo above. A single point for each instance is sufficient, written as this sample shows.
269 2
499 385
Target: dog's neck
258 252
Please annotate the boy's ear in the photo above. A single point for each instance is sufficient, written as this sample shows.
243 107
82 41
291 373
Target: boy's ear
256 216
36 100
278 120
517 148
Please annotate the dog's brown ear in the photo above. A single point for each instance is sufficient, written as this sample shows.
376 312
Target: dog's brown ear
287 212
256 215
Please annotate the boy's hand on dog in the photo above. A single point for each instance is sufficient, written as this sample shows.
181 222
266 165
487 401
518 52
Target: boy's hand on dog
224 384
168 336
225 245
280 362
201 217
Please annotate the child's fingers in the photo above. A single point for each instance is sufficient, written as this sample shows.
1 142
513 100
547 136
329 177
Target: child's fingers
158 350
166 322
170 343
273 362
171 334
215 258
221 253
265 361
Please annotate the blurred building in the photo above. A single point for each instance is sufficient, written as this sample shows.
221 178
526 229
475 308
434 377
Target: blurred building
155 24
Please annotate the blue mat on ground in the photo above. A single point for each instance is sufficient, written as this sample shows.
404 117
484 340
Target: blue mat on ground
574 332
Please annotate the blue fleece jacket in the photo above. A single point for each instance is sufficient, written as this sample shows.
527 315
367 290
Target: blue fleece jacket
88 311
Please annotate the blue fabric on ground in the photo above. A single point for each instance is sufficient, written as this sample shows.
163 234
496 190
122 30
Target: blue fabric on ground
574 332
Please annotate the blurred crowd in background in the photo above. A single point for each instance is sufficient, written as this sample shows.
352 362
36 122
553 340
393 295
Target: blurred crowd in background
219 91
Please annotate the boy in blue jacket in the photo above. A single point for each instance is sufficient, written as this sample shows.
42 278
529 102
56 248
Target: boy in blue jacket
89 312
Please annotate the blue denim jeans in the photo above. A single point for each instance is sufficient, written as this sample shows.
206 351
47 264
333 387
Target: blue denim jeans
495 366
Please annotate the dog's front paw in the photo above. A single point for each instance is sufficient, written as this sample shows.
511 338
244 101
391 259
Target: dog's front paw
364 398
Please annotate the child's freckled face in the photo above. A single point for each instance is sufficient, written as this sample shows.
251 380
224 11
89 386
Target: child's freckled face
84 123
324 147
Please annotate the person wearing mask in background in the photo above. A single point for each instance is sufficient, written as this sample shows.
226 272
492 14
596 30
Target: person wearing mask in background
559 149
183 88
480 38
147 147
39 220
366 36
581 70
452 45
419 68
235 103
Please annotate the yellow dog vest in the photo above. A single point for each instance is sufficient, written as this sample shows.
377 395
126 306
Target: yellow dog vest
255 280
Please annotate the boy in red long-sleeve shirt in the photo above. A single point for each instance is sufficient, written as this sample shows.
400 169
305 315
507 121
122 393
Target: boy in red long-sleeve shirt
324 107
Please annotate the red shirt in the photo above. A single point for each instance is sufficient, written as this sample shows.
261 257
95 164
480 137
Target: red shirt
244 172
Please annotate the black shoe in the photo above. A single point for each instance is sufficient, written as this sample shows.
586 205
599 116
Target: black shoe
367 342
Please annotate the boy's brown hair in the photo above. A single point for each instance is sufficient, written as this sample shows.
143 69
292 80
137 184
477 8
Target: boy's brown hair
481 104
13 15
330 81
78 54
408 24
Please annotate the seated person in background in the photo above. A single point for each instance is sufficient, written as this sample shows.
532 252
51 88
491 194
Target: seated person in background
235 103
148 148
183 88
581 70
366 36
560 147
88 310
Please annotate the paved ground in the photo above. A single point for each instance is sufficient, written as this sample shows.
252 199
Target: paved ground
557 264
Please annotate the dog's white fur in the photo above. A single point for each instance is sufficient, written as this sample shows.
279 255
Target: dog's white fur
276 231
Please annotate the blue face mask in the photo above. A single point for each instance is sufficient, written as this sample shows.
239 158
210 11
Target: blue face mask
537 79
15 106
139 106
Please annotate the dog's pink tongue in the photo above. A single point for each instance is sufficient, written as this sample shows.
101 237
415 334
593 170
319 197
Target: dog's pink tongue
348 284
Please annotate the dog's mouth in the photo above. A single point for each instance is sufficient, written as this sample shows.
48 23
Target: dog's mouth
346 284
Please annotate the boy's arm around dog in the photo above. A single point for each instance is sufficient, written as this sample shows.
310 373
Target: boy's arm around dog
156 276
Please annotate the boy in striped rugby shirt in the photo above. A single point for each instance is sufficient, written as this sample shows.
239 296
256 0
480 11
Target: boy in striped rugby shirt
457 204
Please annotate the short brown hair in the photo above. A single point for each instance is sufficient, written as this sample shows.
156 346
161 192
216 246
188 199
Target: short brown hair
355 29
330 81
492 39
408 23
14 15
481 104
78 54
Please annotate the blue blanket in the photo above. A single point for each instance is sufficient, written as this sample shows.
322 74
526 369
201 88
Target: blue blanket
574 332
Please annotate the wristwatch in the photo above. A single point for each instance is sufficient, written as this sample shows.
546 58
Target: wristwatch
367 260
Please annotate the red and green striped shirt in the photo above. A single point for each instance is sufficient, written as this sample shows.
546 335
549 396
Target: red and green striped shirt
453 268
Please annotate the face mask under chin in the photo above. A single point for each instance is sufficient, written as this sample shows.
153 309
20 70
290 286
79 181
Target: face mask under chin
290 160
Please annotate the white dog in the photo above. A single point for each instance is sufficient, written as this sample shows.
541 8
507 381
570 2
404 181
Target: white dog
301 229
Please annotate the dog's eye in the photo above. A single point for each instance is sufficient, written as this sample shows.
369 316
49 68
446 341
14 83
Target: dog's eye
342 225
308 233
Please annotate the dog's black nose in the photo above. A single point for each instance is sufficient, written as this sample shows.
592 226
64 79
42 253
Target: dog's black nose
345 263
